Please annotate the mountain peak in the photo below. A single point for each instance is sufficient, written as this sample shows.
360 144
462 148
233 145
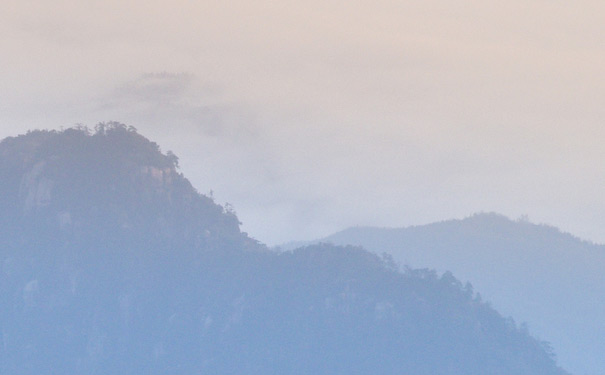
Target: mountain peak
110 180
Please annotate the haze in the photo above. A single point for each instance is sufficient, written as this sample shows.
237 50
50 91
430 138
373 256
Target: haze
309 117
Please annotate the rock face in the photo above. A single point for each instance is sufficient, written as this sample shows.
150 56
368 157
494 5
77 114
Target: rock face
112 263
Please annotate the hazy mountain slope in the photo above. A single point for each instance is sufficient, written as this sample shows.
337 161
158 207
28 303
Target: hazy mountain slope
113 264
110 183
535 273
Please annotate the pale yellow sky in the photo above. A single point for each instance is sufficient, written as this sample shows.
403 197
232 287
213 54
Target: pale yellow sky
313 116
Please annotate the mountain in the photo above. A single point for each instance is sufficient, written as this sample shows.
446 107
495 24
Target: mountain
110 184
535 273
112 263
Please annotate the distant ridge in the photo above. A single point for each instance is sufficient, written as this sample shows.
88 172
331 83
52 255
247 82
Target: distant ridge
552 280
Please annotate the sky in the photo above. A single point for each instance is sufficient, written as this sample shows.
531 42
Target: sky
309 117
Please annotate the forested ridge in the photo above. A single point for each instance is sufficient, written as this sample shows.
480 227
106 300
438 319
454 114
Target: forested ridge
549 279
112 263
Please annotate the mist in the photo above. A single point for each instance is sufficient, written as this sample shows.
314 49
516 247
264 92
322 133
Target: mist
312 117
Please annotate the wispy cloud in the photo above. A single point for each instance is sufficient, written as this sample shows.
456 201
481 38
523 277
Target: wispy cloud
179 100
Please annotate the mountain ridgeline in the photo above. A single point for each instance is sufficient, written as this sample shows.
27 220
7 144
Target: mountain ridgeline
107 185
112 263
534 273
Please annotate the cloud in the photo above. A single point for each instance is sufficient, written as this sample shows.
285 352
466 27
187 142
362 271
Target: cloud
180 100
155 89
